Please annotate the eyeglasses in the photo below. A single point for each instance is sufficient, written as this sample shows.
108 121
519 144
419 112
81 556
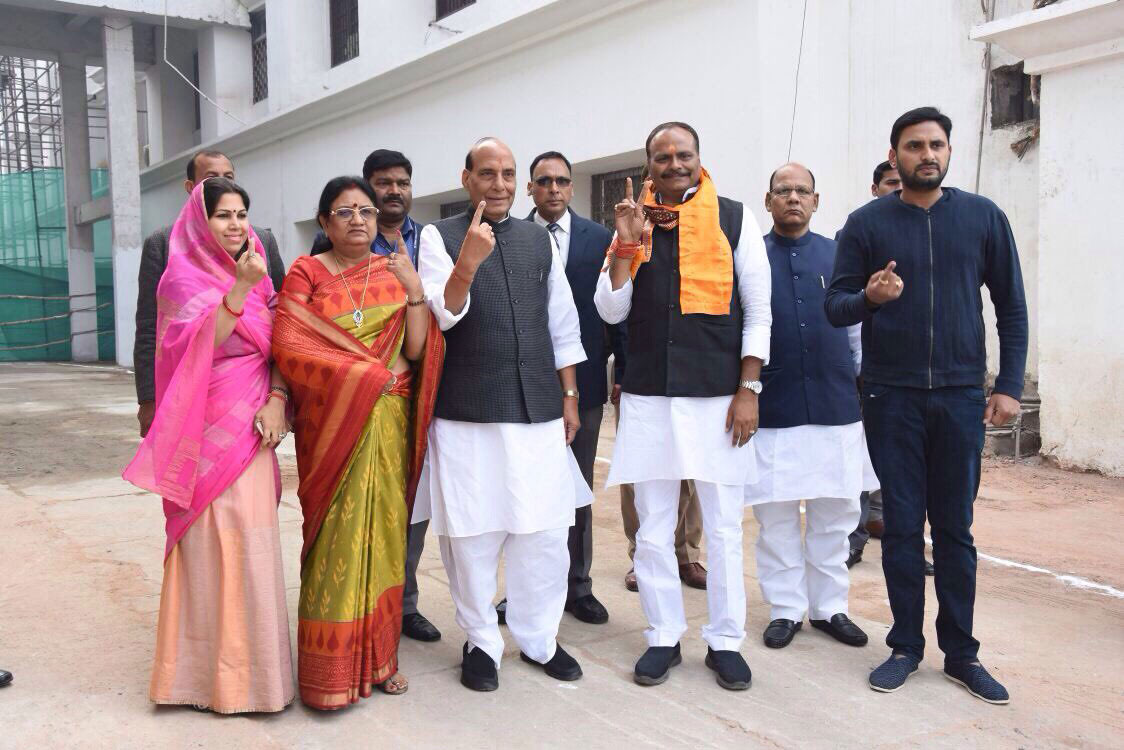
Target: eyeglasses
561 182
366 213
783 191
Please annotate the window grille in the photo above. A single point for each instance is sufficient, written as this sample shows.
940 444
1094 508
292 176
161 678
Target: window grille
454 208
449 7
258 54
608 191
343 24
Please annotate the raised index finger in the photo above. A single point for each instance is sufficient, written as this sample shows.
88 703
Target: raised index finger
891 266
628 188
478 214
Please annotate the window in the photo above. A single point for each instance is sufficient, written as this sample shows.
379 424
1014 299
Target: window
343 28
454 208
258 54
608 190
1012 99
449 7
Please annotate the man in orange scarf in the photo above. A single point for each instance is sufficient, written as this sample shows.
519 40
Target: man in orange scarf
688 271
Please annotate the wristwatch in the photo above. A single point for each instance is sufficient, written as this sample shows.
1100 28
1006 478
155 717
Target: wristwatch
751 385
570 393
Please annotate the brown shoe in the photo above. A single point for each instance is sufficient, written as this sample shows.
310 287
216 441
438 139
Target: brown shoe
875 527
630 580
693 575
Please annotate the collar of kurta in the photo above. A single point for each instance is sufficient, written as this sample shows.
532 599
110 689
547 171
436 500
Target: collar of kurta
779 239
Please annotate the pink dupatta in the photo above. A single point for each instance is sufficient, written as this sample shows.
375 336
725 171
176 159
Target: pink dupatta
202 437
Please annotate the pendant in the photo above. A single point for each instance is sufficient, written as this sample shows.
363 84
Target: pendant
357 316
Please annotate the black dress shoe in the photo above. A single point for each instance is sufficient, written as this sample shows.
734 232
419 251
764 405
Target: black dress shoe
588 609
929 571
561 666
501 611
654 666
478 671
5 677
841 629
854 558
414 625
732 671
779 633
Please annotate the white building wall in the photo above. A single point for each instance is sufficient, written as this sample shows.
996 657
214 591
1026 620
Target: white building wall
560 88
1082 267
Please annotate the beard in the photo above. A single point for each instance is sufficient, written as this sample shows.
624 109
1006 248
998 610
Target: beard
914 181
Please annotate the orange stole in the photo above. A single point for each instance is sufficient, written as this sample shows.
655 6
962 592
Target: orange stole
706 260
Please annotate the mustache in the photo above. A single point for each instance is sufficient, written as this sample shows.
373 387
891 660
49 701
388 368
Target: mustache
676 173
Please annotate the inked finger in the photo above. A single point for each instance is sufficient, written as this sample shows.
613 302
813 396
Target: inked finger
479 213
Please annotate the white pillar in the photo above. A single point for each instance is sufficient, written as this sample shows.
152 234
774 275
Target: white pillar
225 75
154 100
80 238
124 179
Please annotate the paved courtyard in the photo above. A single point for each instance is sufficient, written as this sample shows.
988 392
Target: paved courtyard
81 555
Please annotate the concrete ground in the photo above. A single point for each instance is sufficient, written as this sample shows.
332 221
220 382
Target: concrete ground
81 553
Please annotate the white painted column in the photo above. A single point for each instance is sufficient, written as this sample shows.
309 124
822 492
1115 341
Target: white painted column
154 99
124 179
225 75
80 238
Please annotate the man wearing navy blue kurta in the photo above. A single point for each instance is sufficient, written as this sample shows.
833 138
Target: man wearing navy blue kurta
810 444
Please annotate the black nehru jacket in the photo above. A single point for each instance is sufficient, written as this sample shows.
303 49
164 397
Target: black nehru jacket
672 354
499 358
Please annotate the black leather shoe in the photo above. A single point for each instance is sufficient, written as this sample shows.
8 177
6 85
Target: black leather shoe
854 558
478 671
588 609
414 625
561 666
732 671
929 569
501 611
779 633
654 666
5 677
841 629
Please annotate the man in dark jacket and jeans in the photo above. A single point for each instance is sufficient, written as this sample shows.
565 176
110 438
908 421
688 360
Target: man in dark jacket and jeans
909 267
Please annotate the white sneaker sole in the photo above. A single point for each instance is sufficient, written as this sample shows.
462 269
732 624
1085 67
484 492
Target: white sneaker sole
892 690
964 685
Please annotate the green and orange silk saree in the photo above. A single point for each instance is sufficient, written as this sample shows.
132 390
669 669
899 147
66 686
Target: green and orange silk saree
360 437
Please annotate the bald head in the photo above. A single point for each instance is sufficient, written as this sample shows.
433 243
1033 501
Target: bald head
793 167
792 199
489 176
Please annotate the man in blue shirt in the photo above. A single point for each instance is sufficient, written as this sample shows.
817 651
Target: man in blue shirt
909 267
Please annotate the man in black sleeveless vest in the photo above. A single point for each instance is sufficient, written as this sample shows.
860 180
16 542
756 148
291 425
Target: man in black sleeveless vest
810 445
689 274
499 476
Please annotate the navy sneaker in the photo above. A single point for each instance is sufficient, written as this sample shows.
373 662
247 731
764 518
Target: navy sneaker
976 680
892 673
655 665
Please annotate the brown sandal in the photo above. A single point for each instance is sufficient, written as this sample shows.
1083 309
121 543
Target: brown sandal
396 684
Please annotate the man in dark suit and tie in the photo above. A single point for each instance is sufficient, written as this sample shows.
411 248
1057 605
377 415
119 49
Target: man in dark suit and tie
580 245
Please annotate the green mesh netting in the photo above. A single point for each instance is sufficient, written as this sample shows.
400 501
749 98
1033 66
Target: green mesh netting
34 305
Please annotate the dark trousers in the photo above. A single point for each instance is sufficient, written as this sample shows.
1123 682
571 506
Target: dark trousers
581 533
415 542
925 446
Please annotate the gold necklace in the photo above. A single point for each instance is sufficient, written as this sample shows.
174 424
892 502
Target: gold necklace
357 316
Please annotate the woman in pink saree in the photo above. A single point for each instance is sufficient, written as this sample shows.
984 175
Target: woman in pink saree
222 640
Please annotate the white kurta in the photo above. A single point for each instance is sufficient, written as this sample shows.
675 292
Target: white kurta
676 437
516 478
812 461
